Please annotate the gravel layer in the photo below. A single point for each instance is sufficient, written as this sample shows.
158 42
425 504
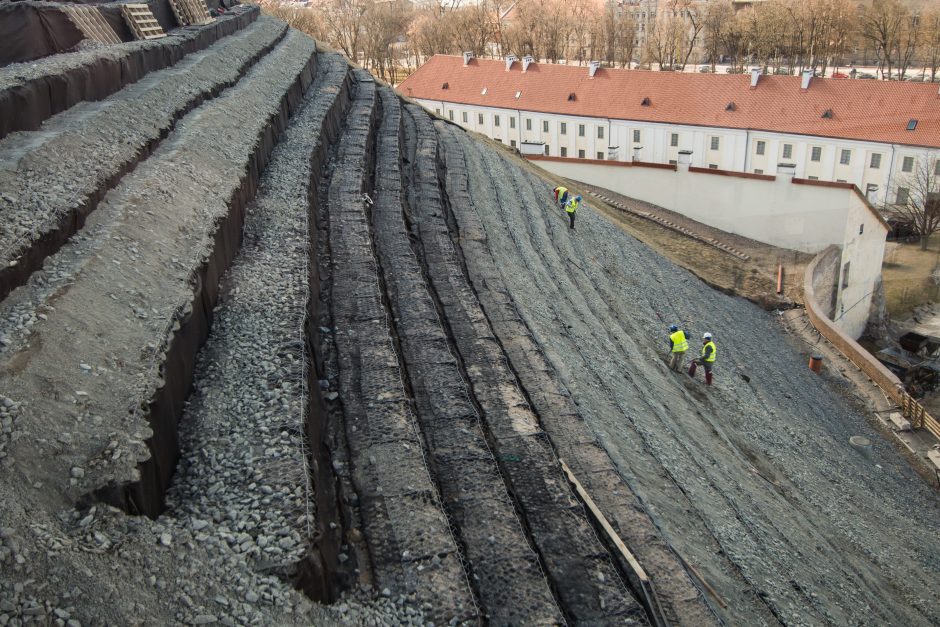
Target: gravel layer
752 481
54 177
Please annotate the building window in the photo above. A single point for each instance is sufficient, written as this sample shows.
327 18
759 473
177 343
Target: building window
845 273
673 162
437 111
564 151
841 181
600 132
712 166
580 130
496 120
512 122
544 126
758 171
600 155
815 154
636 136
715 142
788 151
936 168
813 178
465 120
580 154
761 147
480 118
674 140
908 164
903 194
512 143
845 157
528 124
875 161
564 128
546 150
450 114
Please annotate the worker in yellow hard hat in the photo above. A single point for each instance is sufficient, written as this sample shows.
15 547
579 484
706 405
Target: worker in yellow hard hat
707 359
571 208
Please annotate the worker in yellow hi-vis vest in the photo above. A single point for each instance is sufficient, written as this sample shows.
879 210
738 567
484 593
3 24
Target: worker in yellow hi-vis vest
707 360
561 196
573 205
678 345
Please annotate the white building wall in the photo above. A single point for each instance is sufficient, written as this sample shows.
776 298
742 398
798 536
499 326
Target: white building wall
737 148
803 217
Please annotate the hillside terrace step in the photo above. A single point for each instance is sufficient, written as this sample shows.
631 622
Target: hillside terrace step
32 92
134 297
571 436
583 576
52 179
411 545
257 379
504 569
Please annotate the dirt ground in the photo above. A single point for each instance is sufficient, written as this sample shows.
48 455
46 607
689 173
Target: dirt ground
908 276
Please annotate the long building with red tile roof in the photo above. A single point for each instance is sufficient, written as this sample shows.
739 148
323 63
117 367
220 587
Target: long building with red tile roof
867 132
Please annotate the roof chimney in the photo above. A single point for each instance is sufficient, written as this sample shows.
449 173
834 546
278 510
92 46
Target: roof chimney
593 67
509 61
785 172
755 76
807 75
526 61
466 58
685 160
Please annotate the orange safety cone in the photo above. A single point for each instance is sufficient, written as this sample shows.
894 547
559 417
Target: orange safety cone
815 363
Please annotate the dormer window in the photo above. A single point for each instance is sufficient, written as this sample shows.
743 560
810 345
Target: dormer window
572 97
445 86
646 102
911 125
827 114
731 107
483 93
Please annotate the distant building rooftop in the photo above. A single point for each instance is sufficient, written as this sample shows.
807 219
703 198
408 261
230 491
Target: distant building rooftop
865 110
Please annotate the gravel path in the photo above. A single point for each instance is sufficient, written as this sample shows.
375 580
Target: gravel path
751 481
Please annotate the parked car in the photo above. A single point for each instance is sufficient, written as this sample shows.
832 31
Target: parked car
782 71
705 69
867 76
839 75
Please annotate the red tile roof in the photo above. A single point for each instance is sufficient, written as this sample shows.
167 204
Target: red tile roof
867 110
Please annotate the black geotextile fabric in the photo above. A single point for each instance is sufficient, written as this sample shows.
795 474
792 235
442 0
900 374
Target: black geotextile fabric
29 31
28 105
32 30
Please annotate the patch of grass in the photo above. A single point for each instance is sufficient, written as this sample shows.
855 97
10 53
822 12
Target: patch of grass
906 273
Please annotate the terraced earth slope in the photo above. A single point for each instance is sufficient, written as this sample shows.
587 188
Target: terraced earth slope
272 336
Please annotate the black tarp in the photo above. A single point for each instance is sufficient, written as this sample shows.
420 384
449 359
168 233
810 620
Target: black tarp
30 30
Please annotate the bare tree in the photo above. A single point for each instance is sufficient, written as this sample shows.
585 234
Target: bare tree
917 197
930 44
893 30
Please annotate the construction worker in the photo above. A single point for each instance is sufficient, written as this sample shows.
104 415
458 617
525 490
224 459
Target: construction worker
561 196
678 345
709 353
573 205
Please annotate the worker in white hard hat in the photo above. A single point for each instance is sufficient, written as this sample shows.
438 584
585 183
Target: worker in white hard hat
678 345
707 359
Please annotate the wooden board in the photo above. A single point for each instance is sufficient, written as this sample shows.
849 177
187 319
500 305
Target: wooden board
640 579
191 12
90 21
141 21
